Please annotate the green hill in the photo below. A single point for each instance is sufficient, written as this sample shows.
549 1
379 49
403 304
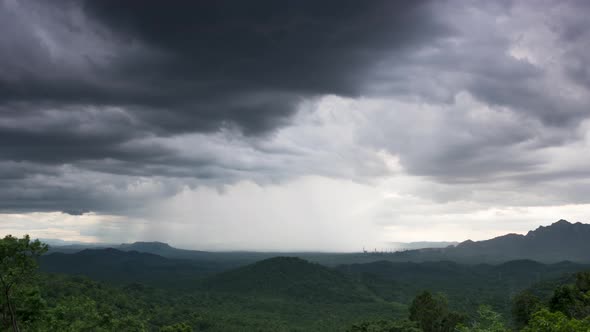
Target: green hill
466 285
290 277
127 266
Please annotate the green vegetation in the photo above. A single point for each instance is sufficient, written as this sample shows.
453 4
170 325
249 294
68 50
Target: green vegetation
524 306
18 263
152 309
432 313
385 326
547 321
568 309
279 294
466 286
487 321
291 277
135 291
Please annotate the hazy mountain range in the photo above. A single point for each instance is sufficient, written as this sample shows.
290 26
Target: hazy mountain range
492 271
399 246
560 241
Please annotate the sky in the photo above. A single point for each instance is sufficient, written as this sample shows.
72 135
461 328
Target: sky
292 125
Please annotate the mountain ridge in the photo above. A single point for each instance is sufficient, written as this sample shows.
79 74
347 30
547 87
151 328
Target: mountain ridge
544 244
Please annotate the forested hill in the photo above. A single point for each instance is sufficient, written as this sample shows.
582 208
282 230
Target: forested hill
298 279
290 277
464 284
128 266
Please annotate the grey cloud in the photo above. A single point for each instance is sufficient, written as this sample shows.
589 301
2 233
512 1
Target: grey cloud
97 96
478 59
207 65
99 86
76 212
536 98
76 191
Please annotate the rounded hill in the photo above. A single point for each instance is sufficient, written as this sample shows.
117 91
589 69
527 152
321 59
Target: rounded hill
291 277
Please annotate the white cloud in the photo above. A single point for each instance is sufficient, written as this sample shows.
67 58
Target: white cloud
83 228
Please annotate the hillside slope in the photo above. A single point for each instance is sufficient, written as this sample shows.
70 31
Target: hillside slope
466 285
291 277
126 266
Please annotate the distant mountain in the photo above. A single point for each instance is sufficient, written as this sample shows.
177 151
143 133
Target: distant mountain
561 241
155 246
419 245
159 248
290 277
558 242
230 259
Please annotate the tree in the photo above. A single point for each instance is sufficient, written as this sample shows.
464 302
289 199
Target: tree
385 326
563 300
30 306
547 321
432 313
523 306
18 266
72 314
488 321
573 300
81 313
583 281
178 327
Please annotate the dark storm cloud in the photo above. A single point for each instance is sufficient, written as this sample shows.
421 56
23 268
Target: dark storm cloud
93 84
200 66
525 69
212 64
576 32
98 97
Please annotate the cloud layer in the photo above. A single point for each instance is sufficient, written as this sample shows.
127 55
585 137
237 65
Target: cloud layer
113 108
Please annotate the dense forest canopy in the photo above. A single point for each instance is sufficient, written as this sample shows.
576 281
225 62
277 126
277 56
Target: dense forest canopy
116 290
